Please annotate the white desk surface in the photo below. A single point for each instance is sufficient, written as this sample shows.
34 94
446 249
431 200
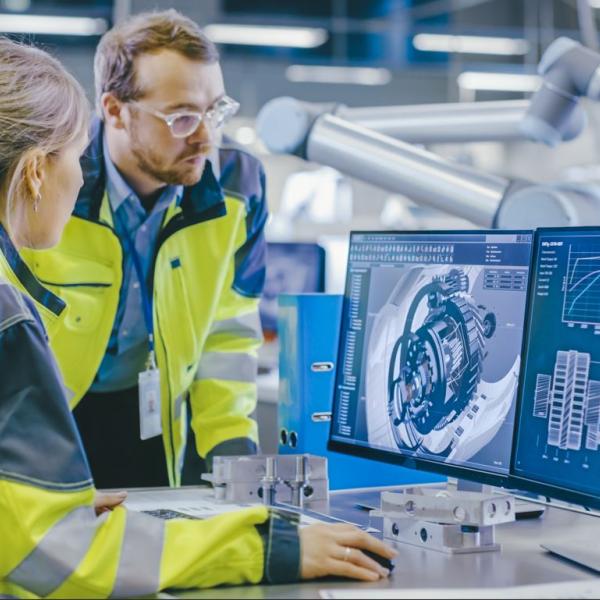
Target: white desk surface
520 562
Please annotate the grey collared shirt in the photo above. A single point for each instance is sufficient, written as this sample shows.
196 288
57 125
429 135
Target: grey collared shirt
128 349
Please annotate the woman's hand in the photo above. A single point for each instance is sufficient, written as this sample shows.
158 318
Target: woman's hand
336 550
106 501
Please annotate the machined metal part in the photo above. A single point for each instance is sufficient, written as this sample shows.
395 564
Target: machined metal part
269 481
441 506
446 521
280 477
298 483
451 539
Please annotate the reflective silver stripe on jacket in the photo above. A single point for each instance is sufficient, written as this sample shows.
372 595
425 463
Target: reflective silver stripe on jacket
228 366
59 552
14 308
244 326
139 565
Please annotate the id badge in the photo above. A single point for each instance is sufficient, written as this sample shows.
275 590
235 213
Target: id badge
149 392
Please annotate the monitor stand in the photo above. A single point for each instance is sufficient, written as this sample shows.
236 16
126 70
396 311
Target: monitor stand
523 508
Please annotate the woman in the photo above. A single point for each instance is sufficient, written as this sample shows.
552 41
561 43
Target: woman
52 540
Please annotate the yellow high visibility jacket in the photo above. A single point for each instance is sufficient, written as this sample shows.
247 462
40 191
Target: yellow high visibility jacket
208 276
51 541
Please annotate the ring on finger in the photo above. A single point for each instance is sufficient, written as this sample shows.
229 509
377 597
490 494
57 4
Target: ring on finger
347 551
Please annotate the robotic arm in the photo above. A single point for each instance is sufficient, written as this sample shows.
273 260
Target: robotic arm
569 71
421 124
320 133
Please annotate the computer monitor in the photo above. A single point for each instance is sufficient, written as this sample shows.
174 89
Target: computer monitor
557 440
292 268
430 350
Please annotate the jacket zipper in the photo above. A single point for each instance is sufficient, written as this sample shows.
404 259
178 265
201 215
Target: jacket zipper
165 233
168 379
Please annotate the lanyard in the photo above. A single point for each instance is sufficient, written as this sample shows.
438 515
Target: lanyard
146 296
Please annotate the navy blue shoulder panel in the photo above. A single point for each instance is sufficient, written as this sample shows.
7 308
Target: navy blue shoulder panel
94 177
39 442
243 176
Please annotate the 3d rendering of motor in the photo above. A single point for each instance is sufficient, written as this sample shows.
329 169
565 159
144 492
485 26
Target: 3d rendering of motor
425 389
435 369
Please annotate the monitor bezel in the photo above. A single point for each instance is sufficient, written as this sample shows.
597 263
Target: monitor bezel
424 464
519 481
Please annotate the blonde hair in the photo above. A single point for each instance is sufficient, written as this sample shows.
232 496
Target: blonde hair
42 107
145 33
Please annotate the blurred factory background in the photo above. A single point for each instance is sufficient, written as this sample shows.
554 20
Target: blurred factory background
357 53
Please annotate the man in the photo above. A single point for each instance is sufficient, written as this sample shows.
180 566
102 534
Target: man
162 262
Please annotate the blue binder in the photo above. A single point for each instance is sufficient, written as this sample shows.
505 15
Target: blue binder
308 327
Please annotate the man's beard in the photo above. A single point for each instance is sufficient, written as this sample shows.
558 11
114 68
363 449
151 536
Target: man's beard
149 162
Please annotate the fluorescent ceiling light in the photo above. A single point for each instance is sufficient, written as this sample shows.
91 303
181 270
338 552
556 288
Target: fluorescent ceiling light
595 3
255 35
470 44
348 75
46 24
502 82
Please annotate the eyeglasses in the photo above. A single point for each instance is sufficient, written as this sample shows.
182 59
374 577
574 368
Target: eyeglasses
182 124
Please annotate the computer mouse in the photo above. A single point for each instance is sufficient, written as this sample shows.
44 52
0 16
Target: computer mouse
386 563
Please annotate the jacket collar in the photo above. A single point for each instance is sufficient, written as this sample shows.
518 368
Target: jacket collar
26 278
204 197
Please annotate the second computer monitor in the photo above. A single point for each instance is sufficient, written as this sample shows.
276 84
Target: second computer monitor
292 268
557 449
430 349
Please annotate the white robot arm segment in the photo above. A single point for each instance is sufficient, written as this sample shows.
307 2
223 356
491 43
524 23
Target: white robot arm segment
569 71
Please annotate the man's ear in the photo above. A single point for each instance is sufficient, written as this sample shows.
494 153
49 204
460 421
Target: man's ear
34 172
112 108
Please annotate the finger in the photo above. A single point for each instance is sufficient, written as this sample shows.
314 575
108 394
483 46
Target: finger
110 499
352 571
355 556
361 539
340 528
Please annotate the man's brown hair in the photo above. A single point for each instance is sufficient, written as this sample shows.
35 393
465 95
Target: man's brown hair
114 63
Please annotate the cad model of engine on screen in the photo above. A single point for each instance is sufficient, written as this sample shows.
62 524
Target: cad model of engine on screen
430 347
558 442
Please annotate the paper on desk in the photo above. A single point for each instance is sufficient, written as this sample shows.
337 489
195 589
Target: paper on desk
587 588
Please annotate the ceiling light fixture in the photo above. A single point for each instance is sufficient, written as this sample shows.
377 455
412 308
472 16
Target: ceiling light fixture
51 25
500 82
340 75
255 35
470 44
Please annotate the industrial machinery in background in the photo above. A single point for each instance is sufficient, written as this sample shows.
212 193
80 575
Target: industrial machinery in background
361 142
